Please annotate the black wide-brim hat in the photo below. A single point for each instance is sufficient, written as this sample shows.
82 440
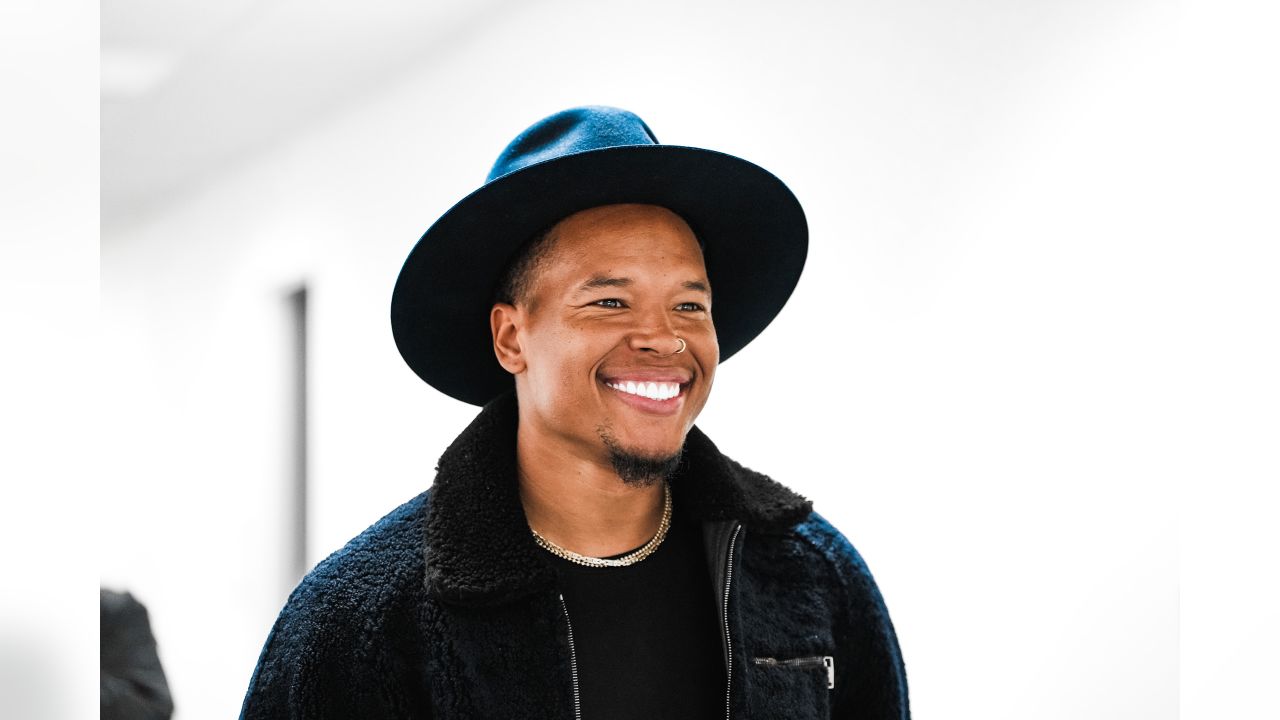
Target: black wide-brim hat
751 227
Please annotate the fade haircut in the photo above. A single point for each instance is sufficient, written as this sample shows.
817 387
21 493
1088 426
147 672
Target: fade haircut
513 288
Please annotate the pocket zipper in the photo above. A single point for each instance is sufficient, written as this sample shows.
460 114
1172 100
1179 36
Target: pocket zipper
825 661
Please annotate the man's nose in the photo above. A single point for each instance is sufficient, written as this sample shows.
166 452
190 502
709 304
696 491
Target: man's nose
654 333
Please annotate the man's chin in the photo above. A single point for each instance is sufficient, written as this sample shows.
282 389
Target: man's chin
643 470
639 465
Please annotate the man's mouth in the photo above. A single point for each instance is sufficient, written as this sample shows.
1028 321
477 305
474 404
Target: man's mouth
651 390
654 391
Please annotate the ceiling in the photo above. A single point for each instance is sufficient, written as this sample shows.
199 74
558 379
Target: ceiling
191 87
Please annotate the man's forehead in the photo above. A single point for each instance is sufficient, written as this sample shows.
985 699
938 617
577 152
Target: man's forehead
619 245
599 261
636 245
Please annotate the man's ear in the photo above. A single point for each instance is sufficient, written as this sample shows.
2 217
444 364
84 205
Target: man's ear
506 322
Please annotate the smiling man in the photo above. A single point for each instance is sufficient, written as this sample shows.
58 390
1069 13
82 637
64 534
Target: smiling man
584 550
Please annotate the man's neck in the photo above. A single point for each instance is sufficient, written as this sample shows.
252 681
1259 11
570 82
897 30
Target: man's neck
577 501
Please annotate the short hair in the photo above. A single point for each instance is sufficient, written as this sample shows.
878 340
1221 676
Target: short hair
517 280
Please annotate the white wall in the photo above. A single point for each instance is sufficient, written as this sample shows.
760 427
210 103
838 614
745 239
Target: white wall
967 380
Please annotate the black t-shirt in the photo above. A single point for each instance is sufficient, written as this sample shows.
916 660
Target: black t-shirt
647 635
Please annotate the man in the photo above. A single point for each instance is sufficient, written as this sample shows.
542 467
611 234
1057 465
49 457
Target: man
585 551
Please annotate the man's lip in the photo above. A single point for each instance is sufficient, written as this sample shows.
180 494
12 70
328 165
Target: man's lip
650 406
654 376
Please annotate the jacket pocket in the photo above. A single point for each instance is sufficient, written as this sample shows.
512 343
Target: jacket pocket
797 688
826 662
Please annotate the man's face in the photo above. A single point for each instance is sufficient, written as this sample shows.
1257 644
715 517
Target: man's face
603 313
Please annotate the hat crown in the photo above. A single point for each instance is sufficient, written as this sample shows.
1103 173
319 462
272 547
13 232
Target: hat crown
572 131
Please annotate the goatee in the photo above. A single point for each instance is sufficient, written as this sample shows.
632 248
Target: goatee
635 468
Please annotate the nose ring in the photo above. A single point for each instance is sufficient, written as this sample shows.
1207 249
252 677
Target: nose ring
682 346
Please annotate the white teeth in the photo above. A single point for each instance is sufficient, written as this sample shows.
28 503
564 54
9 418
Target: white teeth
653 391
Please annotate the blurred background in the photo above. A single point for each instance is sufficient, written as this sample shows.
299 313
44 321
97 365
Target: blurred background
969 380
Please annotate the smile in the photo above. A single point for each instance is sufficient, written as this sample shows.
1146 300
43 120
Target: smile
651 390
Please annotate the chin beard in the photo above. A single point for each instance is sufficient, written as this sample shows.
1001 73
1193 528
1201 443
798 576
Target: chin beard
635 468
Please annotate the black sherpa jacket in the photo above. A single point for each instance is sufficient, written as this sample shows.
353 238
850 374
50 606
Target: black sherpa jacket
446 608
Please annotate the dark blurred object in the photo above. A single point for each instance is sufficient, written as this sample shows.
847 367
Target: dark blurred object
133 684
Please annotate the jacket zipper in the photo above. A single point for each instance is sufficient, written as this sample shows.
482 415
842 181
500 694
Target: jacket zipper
825 661
573 663
724 614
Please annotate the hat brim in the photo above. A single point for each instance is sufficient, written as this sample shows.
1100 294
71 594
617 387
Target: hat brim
753 231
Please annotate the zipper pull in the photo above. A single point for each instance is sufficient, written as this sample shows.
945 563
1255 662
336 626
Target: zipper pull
830 664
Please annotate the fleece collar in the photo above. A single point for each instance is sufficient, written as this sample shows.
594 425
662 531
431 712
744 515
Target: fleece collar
478 546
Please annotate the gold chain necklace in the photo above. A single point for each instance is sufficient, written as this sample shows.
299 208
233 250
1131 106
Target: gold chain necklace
630 558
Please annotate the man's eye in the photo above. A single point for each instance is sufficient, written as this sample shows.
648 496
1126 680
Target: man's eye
690 307
609 303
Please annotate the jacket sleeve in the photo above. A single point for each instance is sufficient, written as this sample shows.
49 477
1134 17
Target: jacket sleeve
871 678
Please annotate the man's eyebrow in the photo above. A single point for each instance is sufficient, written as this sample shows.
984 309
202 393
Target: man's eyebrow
603 281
